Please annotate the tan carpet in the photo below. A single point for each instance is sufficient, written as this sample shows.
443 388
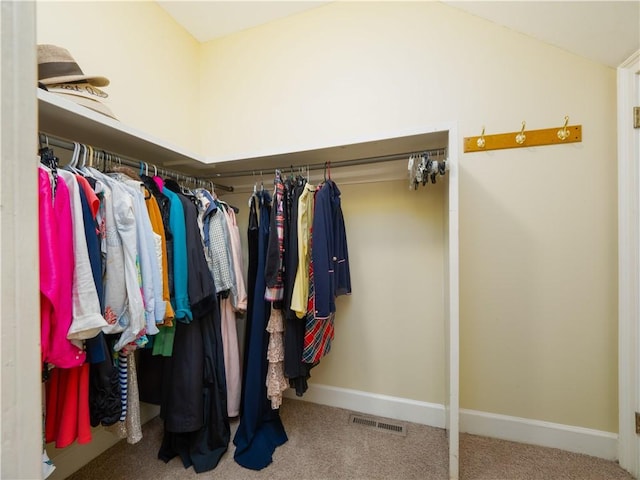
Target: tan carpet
323 445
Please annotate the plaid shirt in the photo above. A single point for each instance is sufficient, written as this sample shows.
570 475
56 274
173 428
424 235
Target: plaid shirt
274 270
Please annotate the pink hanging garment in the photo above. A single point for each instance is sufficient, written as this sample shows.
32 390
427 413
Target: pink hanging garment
56 274
231 352
159 181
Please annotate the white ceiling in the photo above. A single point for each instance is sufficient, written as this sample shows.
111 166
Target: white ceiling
207 20
605 31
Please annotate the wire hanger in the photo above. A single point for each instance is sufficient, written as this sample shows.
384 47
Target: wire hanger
327 171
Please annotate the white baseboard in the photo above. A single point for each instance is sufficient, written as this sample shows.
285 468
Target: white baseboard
536 432
71 459
425 413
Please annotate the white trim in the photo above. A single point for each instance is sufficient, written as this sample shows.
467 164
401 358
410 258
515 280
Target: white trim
555 435
69 460
628 265
20 407
62 117
452 308
536 432
415 411
345 140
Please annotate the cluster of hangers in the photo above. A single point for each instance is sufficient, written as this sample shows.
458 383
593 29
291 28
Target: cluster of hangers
83 156
90 156
424 168
298 176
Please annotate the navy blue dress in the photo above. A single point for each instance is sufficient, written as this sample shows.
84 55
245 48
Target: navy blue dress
260 431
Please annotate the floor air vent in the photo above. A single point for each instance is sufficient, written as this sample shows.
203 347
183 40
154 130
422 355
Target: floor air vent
385 426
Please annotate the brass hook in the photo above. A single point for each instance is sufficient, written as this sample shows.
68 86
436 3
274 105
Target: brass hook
563 133
481 141
521 137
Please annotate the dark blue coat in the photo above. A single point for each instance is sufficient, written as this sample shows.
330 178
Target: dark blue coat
329 250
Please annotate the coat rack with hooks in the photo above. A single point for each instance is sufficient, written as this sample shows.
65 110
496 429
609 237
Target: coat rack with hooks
524 138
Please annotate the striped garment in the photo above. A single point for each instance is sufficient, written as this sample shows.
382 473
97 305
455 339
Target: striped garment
123 362
275 279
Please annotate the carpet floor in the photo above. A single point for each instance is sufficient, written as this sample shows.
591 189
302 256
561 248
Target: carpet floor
324 445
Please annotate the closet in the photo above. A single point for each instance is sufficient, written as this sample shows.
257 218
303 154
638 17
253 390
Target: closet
365 166
66 120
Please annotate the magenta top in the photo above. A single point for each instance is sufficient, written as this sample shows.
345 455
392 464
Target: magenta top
56 274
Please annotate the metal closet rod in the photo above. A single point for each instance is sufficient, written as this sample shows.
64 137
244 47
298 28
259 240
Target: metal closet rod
346 163
47 139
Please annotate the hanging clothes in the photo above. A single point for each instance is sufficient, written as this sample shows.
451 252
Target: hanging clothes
180 266
239 290
104 389
129 425
194 406
215 232
304 220
67 406
87 319
111 248
105 406
276 381
235 302
217 240
128 318
56 274
330 269
253 235
274 268
155 216
164 204
297 283
260 430
90 206
330 252
67 417
151 280
163 342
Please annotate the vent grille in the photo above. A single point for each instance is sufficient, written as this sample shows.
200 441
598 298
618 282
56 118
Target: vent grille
384 426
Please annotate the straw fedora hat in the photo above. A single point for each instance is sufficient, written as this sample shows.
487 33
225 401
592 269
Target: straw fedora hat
56 65
85 94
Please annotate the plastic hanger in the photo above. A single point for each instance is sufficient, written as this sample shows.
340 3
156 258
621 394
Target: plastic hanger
75 155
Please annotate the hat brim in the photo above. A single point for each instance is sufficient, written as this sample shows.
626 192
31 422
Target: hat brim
81 89
89 103
94 80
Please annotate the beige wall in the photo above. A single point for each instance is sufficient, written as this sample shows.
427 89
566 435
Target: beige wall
538 226
389 334
152 62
